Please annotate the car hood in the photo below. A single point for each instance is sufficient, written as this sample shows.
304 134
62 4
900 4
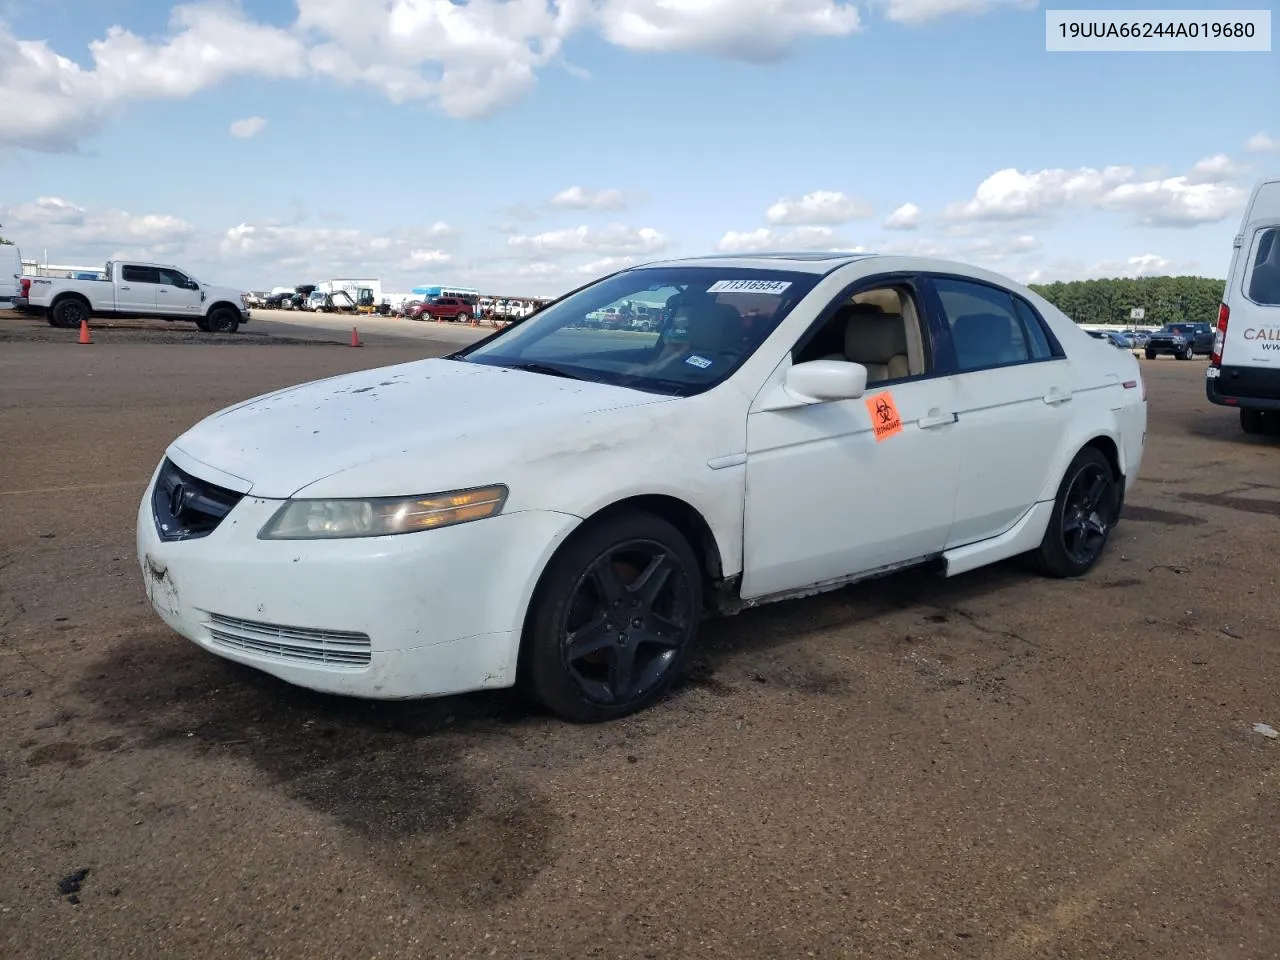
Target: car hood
280 442
214 292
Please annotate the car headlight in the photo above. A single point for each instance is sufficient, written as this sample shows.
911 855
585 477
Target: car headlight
381 516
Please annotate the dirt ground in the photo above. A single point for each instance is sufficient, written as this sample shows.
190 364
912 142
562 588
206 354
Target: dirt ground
994 766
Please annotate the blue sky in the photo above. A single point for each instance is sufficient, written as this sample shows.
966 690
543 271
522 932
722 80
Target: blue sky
418 149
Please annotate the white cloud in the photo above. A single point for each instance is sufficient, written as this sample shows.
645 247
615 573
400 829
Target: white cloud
1262 143
584 198
598 268
423 258
734 29
51 102
919 11
1204 196
465 59
801 238
1009 194
1142 265
57 223
821 206
247 128
1218 168
612 240
906 217
1175 202
746 242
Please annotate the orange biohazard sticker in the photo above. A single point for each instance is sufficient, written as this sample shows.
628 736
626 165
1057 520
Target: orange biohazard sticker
884 415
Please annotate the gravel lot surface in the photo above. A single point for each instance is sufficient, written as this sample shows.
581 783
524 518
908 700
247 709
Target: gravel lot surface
994 766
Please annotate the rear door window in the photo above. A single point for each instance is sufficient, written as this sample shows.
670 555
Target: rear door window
986 330
136 274
1263 282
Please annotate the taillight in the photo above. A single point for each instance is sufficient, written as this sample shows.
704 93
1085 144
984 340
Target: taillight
1220 335
26 286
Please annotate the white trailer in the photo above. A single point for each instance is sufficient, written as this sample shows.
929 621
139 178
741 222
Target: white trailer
352 287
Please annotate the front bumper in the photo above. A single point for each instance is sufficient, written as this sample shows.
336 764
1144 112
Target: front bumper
416 615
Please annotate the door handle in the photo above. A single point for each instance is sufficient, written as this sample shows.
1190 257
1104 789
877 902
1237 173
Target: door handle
124 288
1056 396
936 418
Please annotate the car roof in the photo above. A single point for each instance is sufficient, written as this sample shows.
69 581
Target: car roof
801 261
823 262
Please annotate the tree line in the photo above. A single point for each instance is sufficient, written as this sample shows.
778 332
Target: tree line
1165 299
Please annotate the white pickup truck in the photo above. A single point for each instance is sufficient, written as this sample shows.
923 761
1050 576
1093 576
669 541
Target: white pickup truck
134 289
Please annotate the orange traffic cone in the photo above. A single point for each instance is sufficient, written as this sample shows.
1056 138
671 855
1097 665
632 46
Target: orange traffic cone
84 332
355 338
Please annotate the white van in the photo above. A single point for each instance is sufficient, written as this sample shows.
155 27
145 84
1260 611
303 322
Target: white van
1244 368
10 273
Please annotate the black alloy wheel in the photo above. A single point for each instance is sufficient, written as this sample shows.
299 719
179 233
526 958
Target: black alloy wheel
1085 511
615 619
222 320
69 313
1086 517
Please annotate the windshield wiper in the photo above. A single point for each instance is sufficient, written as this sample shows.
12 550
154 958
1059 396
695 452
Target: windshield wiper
546 368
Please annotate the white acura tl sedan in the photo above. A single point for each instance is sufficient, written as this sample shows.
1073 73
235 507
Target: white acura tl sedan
558 505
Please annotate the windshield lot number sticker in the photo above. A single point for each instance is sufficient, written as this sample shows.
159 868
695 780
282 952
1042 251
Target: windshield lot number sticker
700 362
885 421
774 287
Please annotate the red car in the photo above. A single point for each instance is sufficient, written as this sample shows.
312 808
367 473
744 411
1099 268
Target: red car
441 308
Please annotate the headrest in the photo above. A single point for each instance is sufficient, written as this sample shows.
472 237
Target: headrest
874 336
986 336
851 310
986 328
715 327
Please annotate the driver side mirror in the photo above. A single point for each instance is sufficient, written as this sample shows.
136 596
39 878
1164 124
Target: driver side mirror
822 381
192 285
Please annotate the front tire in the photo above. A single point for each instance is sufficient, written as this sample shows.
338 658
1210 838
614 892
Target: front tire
614 619
1151 354
1188 353
1084 513
222 320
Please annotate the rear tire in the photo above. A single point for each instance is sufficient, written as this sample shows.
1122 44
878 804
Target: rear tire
69 313
1084 513
1251 420
1151 354
614 619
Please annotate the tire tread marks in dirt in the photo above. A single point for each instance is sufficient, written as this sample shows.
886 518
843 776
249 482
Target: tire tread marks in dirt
393 776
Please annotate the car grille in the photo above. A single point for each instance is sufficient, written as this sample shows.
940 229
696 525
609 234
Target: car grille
337 648
186 507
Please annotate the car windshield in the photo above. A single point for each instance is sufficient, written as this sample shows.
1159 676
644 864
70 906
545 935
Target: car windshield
675 330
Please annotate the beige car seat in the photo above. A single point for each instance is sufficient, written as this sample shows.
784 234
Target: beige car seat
878 341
